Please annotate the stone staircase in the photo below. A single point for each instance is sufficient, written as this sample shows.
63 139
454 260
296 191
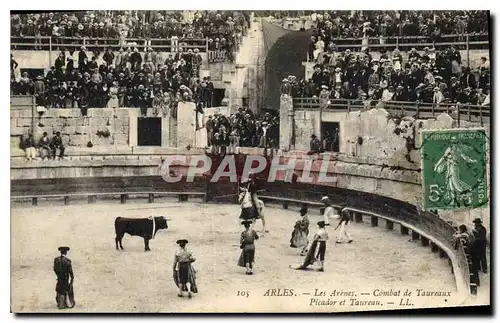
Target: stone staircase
247 60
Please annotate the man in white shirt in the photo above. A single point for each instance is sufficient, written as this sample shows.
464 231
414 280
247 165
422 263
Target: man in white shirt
388 94
344 221
485 64
321 236
438 96
486 101
329 211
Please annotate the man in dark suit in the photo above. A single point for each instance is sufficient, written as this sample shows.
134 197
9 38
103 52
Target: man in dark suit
481 243
210 130
315 145
65 278
57 144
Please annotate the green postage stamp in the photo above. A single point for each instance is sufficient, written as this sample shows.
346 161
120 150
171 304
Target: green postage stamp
454 169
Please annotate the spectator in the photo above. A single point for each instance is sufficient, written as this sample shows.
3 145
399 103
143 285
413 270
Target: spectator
465 237
315 145
57 144
413 81
480 237
438 96
30 147
44 146
475 253
234 140
113 96
108 56
13 67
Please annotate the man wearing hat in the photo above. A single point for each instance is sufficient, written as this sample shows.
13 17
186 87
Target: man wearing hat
184 272
55 144
327 210
247 256
286 89
481 243
318 248
300 231
65 278
438 97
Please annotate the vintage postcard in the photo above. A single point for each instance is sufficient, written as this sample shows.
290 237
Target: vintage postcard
230 161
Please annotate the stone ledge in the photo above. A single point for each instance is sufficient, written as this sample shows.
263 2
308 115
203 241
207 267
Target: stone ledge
88 161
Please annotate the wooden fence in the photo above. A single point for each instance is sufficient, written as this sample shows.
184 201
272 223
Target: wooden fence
74 43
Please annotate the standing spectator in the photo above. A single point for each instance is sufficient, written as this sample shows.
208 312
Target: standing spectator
319 48
465 237
39 91
481 243
59 65
135 60
312 47
82 59
475 253
113 96
13 67
56 144
234 140
209 125
70 65
456 60
197 61
109 57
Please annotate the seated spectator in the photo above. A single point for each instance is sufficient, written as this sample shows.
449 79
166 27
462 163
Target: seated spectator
30 147
57 144
395 80
315 145
44 146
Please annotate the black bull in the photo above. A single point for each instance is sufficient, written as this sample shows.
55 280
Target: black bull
138 227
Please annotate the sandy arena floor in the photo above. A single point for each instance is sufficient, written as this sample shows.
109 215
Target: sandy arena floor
132 280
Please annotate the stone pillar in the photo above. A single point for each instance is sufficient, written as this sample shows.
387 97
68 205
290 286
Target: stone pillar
165 131
132 132
389 225
286 122
374 221
186 121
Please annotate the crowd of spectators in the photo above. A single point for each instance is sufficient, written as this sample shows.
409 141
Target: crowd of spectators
242 129
128 79
357 24
46 148
474 242
223 29
430 77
